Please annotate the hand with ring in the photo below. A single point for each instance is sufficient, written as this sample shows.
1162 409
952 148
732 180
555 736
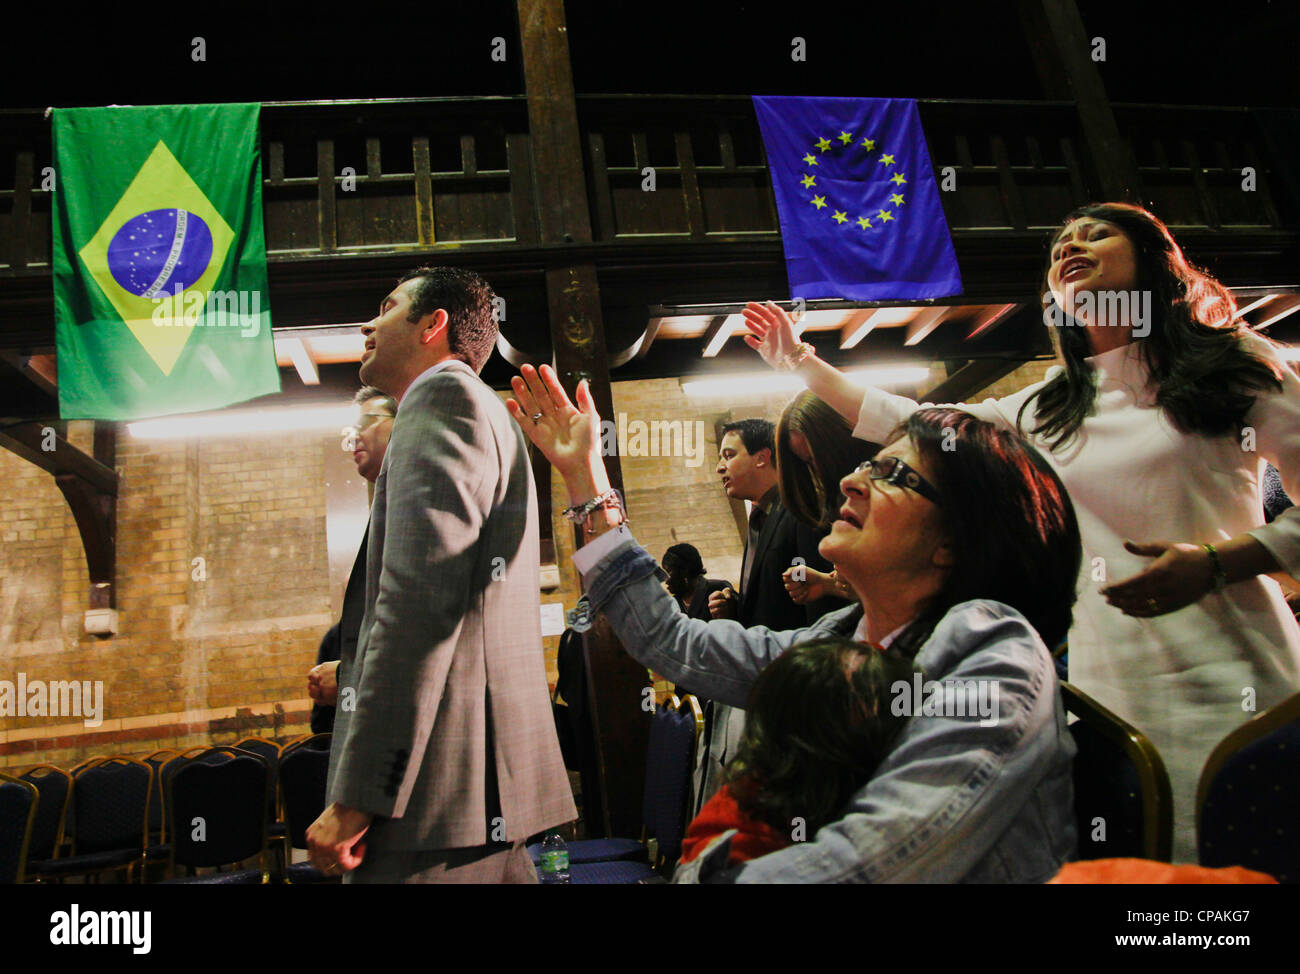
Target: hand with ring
567 435
335 841
1180 575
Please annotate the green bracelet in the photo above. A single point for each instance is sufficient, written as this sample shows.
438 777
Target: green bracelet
1219 577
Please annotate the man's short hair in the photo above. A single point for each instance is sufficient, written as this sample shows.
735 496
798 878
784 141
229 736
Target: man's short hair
467 299
366 393
756 434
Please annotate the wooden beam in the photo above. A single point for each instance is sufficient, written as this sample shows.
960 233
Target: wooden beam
1259 302
1062 53
45 446
424 228
326 222
858 326
989 320
619 727
970 379
89 485
1286 305
648 337
924 323
720 329
296 351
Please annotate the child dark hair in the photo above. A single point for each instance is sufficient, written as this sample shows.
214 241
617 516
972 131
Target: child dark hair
819 721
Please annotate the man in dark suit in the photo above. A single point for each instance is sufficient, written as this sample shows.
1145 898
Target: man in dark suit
687 582
367 441
444 757
775 542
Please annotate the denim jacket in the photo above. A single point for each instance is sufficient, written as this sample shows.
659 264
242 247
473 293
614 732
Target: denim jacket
954 800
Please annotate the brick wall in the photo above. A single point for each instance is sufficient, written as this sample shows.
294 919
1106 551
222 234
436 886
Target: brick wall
222 596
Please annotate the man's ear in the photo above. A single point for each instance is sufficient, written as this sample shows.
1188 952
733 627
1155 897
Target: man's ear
432 325
763 457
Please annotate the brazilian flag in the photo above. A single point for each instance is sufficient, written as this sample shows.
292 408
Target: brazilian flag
160 295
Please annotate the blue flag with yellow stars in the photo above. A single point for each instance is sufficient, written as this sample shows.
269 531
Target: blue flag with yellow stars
855 193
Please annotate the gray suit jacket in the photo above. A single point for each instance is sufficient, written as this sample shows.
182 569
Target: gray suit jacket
451 741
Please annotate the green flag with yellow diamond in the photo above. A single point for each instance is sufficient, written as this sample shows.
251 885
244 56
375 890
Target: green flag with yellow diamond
160 294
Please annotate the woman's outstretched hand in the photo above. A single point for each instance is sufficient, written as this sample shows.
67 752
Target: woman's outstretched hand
1179 576
567 435
773 331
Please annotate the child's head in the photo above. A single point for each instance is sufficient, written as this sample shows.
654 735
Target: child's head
818 723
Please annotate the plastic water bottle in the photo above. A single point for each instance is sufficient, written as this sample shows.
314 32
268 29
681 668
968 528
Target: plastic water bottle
555 859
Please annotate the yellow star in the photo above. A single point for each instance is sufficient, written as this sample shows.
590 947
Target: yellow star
810 159
887 160
868 144
823 144
845 137
864 223
896 199
898 179
840 217
886 215
818 201
809 181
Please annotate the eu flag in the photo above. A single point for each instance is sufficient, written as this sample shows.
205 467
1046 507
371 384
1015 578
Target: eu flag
855 193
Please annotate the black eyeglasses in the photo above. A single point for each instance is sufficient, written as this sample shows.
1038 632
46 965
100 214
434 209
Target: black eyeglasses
894 471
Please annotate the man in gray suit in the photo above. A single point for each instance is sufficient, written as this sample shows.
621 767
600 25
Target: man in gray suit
445 757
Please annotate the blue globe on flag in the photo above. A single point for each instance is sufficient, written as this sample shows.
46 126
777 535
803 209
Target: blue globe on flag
160 252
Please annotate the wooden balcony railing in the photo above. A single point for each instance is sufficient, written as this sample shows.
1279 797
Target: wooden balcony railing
362 178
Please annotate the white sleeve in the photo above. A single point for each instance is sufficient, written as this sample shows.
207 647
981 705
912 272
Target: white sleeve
881 411
1275 419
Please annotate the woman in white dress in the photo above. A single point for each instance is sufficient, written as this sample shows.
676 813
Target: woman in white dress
1159 426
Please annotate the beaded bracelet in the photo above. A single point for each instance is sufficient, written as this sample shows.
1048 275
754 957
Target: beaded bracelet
1219 577
795 358
611 499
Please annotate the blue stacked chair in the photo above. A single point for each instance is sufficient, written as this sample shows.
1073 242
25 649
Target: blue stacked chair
54 786
1248 799
1122 798
670 755
18 801
217 814
304 766
110 799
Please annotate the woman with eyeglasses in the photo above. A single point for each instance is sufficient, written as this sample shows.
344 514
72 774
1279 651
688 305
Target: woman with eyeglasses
965 561
1160 425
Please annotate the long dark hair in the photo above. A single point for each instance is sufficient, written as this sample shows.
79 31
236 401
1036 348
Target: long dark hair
1008 518
808 491
1205 375
818 723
